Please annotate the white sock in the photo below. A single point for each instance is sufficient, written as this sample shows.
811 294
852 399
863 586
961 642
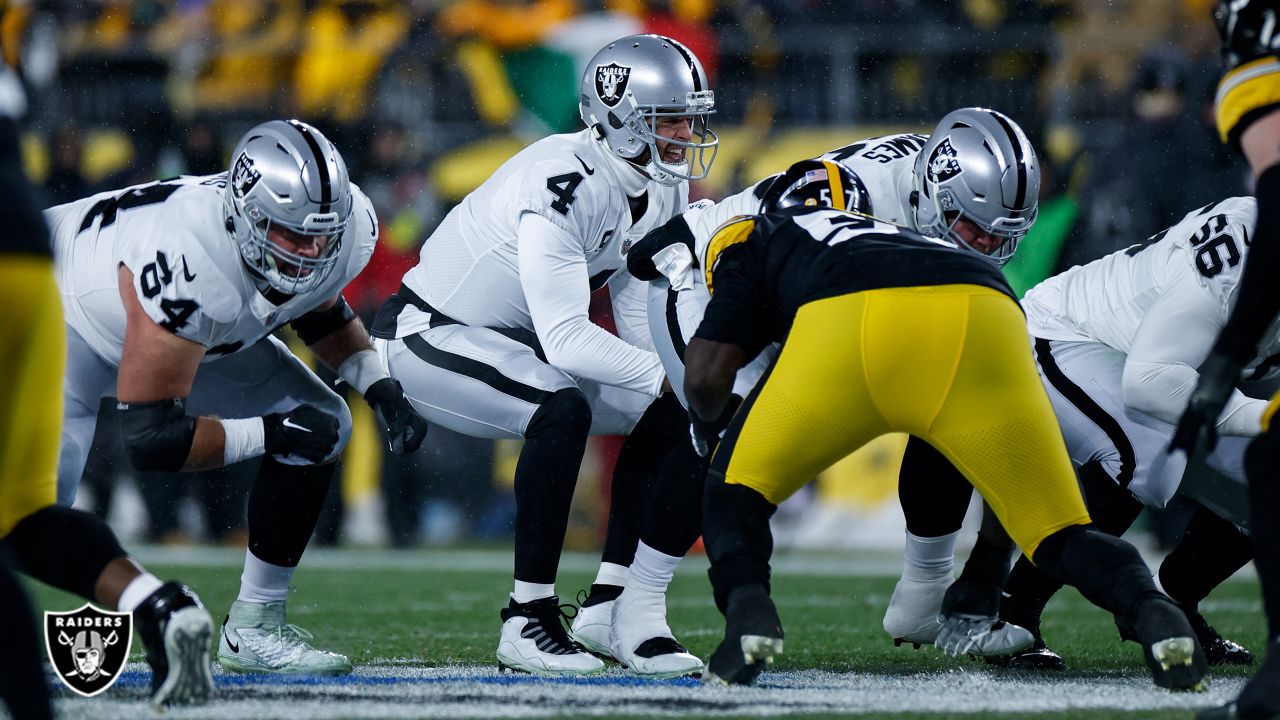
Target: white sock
136 591
927 558
528 592
612 574
652 571
263 582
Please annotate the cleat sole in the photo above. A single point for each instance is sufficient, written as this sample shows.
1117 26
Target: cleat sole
186 644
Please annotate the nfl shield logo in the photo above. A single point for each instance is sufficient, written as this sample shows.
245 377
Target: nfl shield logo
611 83
88 647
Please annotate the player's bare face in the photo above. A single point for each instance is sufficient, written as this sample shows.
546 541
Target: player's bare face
673 128
307 246
975 237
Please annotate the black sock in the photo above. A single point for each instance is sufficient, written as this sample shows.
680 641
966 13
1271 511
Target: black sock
635 475
1106 570
735 522
545 477
977 590
674 521
934 495
63 547
1210 551
284 505
1262 466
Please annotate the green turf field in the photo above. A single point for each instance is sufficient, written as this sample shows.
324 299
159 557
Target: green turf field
433 612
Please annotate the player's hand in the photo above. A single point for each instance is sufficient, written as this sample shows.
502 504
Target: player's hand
405 427
305 431
706 434
1199 423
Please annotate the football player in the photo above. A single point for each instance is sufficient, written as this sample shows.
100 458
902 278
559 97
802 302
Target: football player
976 180
1248 119
490 335
1118 342
802 268
66 548
172 291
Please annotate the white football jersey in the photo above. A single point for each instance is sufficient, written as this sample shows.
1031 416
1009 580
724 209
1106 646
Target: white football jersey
187 271
1107 300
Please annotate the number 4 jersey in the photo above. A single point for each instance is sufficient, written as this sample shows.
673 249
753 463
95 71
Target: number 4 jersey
187 270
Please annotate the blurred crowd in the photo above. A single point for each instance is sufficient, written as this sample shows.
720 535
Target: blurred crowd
426 97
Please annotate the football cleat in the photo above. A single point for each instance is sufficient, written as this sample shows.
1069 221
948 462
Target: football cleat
256 639
1169 644
643 642
981 635
752 638
594 621
534 640
1038 658
1217 649
912 615
175 628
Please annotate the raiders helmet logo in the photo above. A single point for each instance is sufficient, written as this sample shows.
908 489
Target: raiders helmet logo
88 647
611 83
244 176
943 164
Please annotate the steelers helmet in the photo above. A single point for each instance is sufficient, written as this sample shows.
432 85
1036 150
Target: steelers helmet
812 183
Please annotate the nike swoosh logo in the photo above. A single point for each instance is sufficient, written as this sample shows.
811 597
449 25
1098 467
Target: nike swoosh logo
290 424
584 166
186 271
234 648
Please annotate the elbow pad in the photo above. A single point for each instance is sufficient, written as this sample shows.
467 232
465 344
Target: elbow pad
640 256
319 324
157 435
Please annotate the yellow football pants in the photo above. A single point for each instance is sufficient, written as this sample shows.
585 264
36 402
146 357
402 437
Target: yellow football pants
949 364
32 356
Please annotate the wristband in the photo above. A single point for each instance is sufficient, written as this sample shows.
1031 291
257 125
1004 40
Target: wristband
244 439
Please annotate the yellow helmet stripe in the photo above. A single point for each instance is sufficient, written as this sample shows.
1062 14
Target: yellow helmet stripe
837 188
731 233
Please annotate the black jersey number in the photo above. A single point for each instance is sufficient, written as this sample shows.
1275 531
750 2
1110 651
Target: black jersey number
153 278
1215 252
107 208
563 187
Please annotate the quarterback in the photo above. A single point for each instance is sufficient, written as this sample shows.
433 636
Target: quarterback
171 292
490 336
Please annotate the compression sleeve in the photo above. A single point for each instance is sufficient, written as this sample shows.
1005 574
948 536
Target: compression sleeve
553 274
1160 371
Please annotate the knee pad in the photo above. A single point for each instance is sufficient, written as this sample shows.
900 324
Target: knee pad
566 413
64 547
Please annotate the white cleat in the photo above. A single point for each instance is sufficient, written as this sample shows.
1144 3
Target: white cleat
643 642
534 641
256 639
981 635
912 615
592 624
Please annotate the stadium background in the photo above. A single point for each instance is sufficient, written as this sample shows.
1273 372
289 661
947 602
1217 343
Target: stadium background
426 97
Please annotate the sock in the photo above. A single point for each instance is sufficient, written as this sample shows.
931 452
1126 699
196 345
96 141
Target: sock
652 571
263 582
526 592
612 574
928 557
136 591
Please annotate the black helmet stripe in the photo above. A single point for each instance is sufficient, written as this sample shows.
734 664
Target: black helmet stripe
1018 158
322 167
688 58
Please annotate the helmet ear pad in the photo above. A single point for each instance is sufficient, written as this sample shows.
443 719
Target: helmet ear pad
813 183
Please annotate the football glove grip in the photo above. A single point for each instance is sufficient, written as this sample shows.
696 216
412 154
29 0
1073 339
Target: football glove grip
706 434
1198 426
305 431
405 427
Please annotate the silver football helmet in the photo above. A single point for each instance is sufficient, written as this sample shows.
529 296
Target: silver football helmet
635 80
286 173
978 165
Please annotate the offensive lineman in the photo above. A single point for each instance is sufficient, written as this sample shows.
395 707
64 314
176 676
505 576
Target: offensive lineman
903 301
1246 107
171 292
490 335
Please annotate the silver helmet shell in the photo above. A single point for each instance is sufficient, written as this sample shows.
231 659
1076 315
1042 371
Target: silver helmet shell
285 173
979 165
635 80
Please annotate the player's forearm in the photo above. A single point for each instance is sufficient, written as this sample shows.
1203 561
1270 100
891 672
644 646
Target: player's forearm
710 368
1258 302
584 349
208 446
1162 390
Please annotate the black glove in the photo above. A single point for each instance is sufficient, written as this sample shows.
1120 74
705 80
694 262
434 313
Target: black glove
305 431
1199 424
706 434
405 427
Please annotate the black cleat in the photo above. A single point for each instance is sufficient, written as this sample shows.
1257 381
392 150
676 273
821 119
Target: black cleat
1039 658
1169 645
752 638
175 628
1217 649
897 642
